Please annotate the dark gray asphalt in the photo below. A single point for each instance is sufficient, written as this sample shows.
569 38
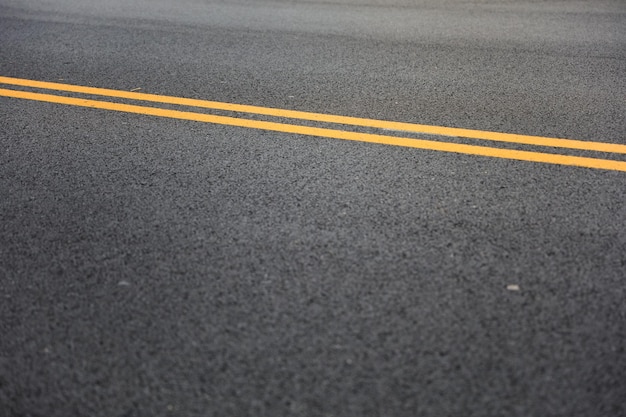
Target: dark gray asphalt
154 267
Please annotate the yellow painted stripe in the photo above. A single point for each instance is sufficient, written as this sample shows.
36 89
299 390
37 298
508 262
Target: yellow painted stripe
328 118
327 133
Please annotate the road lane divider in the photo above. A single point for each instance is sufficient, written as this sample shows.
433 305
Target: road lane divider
326 118
542 157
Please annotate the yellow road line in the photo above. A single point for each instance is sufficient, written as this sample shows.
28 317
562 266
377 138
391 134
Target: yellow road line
327 118
327 133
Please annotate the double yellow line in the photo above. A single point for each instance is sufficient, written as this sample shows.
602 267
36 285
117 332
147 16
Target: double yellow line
550 158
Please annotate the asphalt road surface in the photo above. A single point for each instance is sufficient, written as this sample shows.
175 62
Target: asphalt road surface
225 262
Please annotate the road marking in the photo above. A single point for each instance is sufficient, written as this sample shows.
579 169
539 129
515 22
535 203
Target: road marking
326 133
327 118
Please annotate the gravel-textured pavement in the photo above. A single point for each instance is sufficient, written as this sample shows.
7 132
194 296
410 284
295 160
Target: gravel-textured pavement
159 267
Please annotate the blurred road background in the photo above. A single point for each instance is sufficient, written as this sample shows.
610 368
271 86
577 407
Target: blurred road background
159 267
